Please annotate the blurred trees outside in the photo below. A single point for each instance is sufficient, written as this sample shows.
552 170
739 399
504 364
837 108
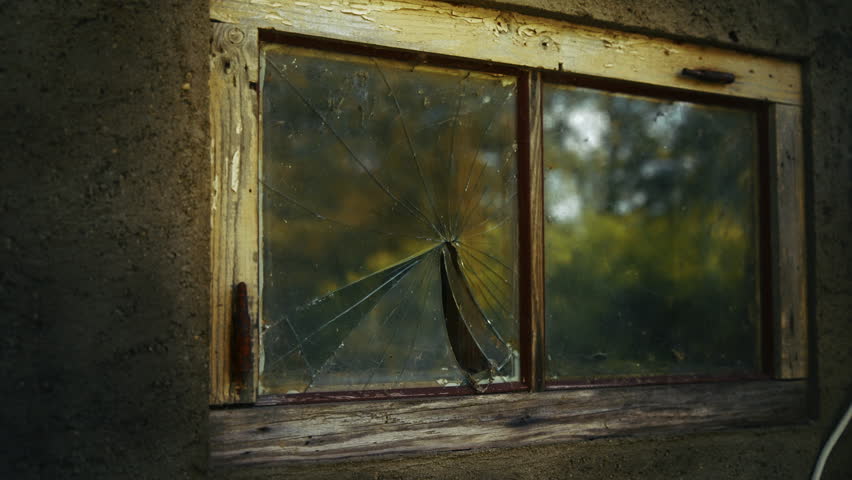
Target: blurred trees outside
369 166
650 236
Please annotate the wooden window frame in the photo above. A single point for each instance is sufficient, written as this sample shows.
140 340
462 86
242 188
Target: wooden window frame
258 434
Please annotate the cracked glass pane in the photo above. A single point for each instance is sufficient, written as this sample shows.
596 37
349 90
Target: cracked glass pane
389 224
650 237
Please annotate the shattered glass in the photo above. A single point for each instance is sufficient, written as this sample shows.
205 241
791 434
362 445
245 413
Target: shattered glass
389 224
650 237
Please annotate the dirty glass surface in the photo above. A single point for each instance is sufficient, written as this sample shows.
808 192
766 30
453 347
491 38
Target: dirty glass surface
650 232
389 225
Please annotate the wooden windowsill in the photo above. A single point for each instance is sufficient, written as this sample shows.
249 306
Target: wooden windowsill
333 432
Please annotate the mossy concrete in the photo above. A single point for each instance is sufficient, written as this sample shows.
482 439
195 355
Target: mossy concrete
104 244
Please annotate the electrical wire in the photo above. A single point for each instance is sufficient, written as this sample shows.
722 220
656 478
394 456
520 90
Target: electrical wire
829 444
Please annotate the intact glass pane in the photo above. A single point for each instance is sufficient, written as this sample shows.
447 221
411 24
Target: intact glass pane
389 225
650 232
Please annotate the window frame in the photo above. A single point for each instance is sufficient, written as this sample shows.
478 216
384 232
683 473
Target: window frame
541 48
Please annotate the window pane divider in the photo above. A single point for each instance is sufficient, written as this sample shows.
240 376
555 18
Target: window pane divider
531 228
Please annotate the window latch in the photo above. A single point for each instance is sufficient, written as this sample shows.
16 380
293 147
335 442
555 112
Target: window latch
241 358
710 76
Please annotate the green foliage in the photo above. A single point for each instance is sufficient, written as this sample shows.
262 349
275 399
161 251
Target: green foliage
650 239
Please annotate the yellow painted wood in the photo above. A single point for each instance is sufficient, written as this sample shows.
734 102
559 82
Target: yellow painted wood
517 39
234 215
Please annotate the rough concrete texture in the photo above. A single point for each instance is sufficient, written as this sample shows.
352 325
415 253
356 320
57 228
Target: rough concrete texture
104 200
779 27
104 234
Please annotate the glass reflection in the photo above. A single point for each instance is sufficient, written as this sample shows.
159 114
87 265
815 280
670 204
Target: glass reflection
389 224
650 229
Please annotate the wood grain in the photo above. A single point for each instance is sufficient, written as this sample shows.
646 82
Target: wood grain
532 230
789 273
234 213
516 39
319 433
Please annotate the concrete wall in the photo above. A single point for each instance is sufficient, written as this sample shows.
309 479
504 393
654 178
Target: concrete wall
104 233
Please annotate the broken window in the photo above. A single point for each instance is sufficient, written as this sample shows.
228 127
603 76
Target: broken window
482 208
389 225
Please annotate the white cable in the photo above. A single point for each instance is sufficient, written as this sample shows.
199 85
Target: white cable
829 444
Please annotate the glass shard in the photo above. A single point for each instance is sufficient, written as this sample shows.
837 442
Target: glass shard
650 237
372 171
477 344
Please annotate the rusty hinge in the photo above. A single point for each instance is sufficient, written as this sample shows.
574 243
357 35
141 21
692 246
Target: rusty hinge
241 358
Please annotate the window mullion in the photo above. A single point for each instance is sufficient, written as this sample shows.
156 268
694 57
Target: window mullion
531 229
